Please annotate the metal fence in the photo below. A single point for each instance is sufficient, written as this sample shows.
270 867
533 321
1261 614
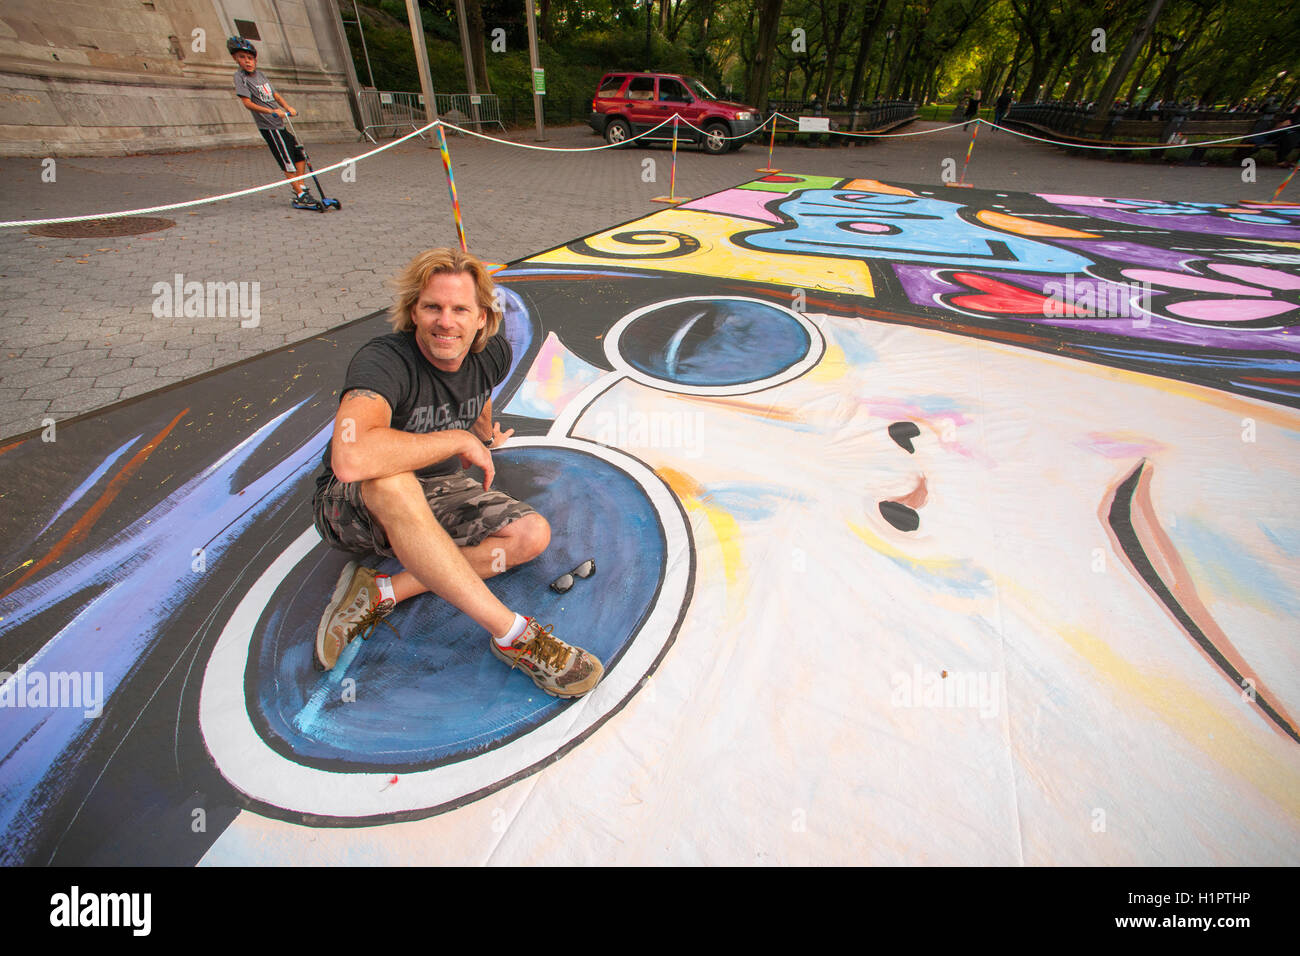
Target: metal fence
463 109
389 112
879 115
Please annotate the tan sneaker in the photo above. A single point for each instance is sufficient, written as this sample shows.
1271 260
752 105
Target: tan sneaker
356 608
556 667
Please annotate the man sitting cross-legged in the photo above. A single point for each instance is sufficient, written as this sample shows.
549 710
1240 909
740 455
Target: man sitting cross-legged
416 409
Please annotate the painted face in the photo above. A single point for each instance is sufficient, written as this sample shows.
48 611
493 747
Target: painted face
998 539
247 61
447 318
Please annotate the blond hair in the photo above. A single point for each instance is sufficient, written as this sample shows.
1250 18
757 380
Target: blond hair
410 282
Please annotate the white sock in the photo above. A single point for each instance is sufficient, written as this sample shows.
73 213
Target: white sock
385 585
510 635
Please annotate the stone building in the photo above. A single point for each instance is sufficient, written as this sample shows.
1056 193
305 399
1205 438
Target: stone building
108 77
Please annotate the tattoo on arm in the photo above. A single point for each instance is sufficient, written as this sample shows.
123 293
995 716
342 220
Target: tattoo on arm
363 393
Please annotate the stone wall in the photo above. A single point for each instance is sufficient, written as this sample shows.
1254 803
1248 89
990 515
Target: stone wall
97 77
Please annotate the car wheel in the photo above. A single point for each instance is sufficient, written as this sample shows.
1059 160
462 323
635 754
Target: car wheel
715 138
617 132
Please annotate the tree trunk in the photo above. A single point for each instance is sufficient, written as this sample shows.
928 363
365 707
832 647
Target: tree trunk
870 21
901 56
1142 69
760 72
477 31
1112 85
544 20
833 41
1016 63
1037 71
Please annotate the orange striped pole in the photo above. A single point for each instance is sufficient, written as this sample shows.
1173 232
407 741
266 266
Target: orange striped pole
671 198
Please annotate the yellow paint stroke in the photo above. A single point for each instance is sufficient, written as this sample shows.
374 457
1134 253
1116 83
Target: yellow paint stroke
876 186
749 406
717 256
831 368
1028 227
694 498
878 544
1261 412
1186 710
1183 708
553 382
1264 242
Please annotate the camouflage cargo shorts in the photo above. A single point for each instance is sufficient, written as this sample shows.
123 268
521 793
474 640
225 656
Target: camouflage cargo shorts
458 502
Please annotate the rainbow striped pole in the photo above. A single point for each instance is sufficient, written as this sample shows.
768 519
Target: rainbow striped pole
672 173
770 144
1284 182
961 183
451 188
671 198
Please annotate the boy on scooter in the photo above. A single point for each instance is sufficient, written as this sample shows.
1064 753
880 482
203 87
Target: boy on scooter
269 109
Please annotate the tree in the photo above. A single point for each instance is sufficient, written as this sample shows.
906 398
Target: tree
1107 95
760 75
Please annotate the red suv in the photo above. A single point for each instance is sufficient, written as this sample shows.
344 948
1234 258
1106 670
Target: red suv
629 103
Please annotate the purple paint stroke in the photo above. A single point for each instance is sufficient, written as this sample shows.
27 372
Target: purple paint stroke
923 287
143 571
1133 252
1206 223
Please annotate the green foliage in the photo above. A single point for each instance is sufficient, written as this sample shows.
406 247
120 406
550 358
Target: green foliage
1214 50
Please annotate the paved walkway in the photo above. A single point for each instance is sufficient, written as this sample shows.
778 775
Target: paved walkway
78 329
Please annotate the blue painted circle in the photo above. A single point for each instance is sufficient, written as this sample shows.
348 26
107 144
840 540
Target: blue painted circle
714 342
437 695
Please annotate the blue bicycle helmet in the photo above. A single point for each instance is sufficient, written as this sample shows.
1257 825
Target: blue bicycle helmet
240 45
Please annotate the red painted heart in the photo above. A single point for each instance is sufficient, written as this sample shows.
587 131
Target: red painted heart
1000 297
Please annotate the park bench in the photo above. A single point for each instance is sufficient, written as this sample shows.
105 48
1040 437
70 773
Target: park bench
1127 133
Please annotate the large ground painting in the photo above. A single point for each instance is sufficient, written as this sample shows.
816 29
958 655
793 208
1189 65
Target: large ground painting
930 527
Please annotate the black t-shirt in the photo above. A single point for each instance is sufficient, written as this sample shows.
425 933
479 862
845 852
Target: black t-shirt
423 398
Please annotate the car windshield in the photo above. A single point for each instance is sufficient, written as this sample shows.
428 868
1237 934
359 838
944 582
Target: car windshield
699 89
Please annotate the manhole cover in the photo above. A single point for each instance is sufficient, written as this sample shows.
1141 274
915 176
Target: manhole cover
102 228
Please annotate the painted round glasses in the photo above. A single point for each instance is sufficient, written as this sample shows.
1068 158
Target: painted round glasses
565 581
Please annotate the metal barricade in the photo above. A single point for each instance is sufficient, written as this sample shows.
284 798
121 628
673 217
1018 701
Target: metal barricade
462 109
390 111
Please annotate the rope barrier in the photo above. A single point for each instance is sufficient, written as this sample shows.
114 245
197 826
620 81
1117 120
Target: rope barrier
1153 146
920 132
170 207
211 199
557 149
441 124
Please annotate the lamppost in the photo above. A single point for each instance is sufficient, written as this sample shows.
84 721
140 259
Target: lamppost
889 38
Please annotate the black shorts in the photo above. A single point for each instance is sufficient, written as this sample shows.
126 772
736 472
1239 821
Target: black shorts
284 148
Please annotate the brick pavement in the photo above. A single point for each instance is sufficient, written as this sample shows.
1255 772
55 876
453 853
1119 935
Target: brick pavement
77 324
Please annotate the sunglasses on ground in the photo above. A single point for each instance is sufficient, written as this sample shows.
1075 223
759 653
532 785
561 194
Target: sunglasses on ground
565 581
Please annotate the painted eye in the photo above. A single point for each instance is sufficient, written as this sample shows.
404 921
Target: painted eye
712 342
900 516
903 433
